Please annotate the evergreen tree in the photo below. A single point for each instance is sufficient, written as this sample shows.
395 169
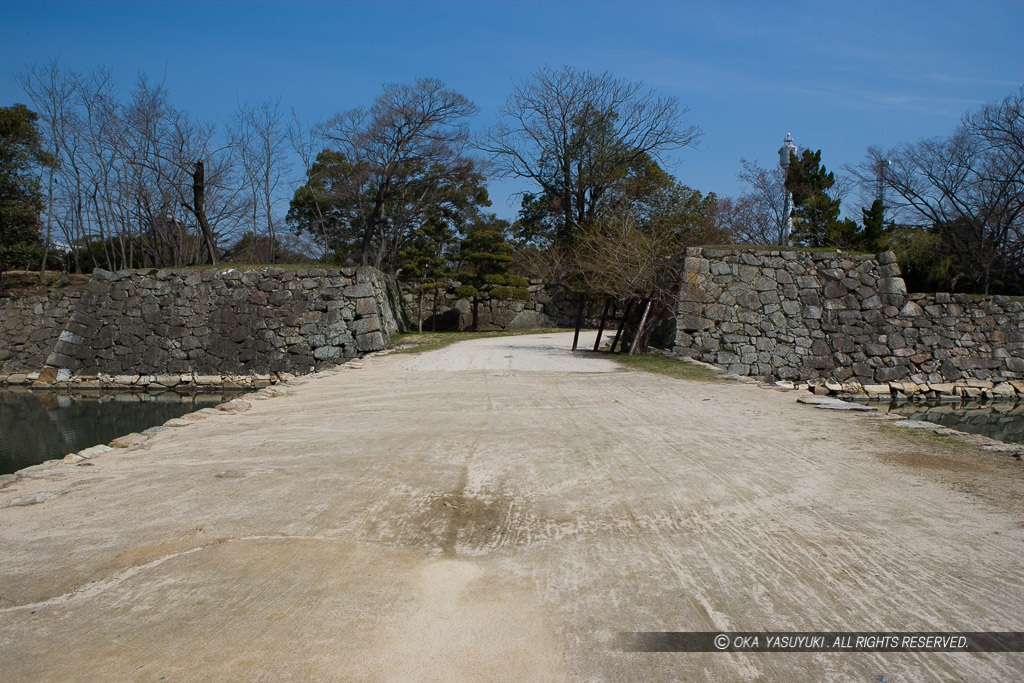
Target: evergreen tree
874 227
426 265
815 213
21 197
486 255
338 201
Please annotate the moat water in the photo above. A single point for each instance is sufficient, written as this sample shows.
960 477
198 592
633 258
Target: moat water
1002 420
36 426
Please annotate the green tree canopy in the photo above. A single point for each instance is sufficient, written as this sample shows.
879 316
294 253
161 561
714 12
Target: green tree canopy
815 212
21 197
485 255
644 190
396 154
872 237
425 263
326 207
341 204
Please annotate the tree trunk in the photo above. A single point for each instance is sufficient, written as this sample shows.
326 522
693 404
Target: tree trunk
371 226
433 317
419 323
640 328
49 224
271 233
199 209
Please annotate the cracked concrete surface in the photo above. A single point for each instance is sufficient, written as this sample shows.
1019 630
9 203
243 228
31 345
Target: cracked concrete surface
498 510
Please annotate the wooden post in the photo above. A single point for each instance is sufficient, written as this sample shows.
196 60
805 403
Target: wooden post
640 329
622 324
579 321
600 328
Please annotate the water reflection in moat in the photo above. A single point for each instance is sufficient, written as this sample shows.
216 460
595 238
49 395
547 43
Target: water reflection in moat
1002 420
36 426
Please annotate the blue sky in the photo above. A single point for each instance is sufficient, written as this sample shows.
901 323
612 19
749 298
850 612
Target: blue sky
839 75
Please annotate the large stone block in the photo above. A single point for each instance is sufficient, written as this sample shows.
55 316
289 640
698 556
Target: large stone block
371 341
358 291
365 325
693 264
527 319
365 307
327 353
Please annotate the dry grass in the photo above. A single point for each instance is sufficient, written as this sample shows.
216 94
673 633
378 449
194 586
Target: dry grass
671 367
19 283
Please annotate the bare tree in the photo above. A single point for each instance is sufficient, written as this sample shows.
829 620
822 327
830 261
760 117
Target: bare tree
625 260
968 186
759 216
306 143
260 141
136 181
410 138
576 135
169 157
51 90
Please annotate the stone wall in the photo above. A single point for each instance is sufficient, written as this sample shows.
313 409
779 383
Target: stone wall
802 315
29 327
548 306
225 321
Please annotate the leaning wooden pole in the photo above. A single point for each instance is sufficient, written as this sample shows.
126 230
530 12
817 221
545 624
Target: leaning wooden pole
640 329
600 328
618 333
579 321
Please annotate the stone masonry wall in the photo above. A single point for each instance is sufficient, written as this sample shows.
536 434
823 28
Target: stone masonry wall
225 321
548 306
802 315
29 327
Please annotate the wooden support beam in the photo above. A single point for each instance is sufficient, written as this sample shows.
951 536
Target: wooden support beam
579 321
640 328
625 317
600 328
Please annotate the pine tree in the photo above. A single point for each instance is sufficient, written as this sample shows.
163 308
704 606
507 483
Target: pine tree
815 213
874 227
425 264
486 256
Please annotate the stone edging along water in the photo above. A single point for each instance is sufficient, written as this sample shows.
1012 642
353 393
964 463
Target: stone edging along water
63 379
816 394
274 387
978 389
981 441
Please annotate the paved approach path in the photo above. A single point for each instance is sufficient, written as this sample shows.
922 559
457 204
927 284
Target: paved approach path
498 510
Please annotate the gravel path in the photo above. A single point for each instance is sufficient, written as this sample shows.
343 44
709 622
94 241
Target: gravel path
464 515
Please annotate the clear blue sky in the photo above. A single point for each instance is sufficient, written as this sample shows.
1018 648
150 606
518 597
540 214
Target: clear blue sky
839 75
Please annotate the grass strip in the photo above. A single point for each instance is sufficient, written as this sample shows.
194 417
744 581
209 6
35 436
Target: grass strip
664 365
